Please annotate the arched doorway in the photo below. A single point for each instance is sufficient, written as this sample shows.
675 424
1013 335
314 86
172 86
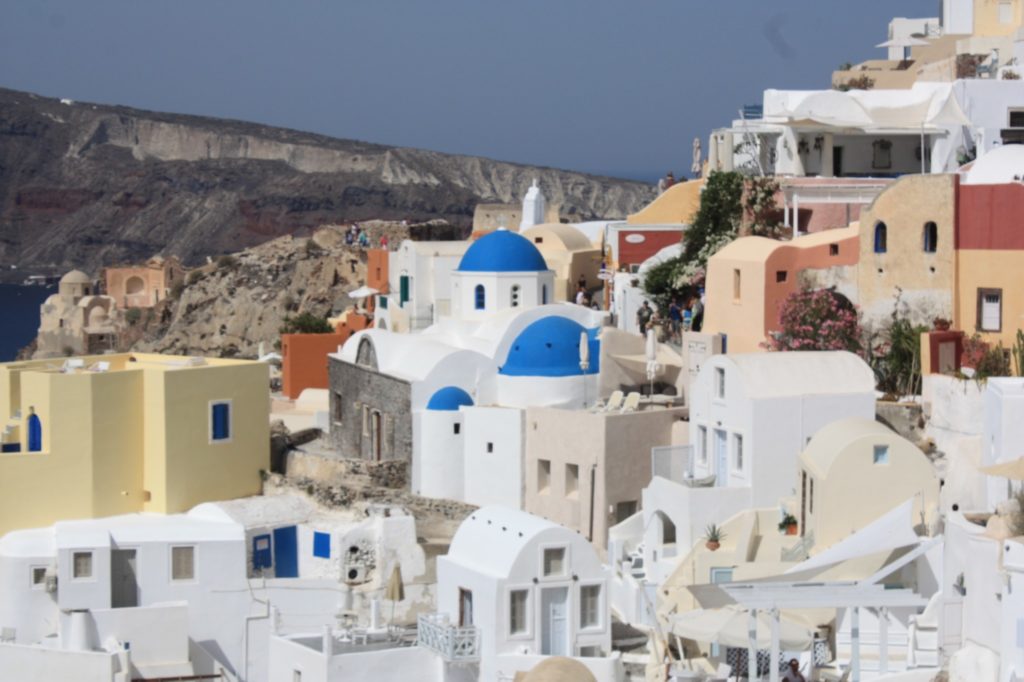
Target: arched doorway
35 432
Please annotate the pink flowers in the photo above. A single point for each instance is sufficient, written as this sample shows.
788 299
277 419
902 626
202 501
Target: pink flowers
817 320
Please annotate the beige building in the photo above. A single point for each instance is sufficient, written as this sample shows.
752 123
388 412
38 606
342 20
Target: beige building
490 217
570 254
76 320
907 248
855 470
587 469
143 286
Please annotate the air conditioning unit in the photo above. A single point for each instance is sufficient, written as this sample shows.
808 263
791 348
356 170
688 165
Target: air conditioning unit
355 574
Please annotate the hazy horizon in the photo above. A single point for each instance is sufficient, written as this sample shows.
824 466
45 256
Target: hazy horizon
588 85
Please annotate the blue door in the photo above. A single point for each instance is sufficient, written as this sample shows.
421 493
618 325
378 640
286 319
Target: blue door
286 552
35 433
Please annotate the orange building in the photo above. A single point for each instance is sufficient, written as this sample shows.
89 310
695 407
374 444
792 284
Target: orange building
143 286
304 356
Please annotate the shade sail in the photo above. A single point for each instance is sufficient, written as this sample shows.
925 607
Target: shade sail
906 41
362 292
729 625
1013 470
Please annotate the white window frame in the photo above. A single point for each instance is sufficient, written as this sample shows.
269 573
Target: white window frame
91 578
527 633
601 592
231 422
1004 12
566 562
737 453
195 564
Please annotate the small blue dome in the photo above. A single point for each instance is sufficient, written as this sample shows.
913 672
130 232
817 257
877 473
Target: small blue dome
550 347
502 251
449 399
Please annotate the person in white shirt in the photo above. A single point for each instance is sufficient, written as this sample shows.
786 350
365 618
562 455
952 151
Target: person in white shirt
581 296
793 674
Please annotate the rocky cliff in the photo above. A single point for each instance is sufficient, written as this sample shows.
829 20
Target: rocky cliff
86 185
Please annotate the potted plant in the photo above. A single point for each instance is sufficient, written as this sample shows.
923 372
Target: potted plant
788 524
941 324
713 536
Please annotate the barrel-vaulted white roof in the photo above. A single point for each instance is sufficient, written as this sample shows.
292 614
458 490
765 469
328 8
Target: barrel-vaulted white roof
771 375
503 542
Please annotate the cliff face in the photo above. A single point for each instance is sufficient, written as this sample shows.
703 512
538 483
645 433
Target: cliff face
85 185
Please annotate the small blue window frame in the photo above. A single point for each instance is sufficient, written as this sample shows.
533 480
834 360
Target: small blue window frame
480 297
321 545
881 237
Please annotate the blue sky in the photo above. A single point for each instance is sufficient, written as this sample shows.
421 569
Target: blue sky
608 86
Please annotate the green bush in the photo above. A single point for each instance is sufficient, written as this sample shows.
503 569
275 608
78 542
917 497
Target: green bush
306 323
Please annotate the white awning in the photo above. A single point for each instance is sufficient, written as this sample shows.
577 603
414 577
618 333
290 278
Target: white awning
729 626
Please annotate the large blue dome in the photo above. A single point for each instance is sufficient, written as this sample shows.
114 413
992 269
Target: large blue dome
502 251
550 347
449 399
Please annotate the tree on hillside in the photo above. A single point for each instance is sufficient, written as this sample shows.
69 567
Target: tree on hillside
716 224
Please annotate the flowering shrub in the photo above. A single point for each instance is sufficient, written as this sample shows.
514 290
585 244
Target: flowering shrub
817 320
974 352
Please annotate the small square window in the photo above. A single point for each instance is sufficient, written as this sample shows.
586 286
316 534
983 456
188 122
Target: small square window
833 249
490 448
81 565
220 421
38 576
554 561
321 545
881 455
781 276
183 563
456 428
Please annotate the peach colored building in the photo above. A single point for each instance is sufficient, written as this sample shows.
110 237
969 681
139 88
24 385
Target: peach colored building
749 279
143 286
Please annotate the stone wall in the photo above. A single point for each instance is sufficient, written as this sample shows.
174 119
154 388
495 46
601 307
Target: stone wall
357 393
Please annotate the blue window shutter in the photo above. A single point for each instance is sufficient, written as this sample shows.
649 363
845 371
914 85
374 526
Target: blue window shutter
221 416
322 545
481 297
35 433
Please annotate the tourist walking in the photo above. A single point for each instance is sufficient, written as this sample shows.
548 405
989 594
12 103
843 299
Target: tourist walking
697 314
675 320
643 316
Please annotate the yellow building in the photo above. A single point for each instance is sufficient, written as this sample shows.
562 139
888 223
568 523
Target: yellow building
113 434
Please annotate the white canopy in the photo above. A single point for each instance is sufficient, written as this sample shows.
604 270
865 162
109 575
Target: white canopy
729 626
362 292
906 41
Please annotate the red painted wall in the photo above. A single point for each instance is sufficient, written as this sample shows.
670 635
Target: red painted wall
990 217
654 241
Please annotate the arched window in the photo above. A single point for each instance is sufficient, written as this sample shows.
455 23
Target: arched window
35 432
515 295
880 237
931 237
481 297
544 294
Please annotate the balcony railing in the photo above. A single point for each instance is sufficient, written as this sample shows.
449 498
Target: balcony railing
453 644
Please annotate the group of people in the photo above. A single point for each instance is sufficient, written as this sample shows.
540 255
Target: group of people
680 318
583 296
357 235
668 181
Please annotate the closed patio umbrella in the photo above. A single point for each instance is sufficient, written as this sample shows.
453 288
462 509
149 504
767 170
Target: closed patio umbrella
396 589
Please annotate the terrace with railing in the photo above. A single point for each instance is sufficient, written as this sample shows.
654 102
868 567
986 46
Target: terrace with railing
453 643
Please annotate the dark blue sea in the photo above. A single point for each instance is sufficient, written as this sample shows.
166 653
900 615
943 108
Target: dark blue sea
19 312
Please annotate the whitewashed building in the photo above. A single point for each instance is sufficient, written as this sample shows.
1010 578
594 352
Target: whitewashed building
420 284
1003 409
751 415
533 589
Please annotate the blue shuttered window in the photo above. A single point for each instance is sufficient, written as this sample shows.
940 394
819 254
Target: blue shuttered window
322 545
220 421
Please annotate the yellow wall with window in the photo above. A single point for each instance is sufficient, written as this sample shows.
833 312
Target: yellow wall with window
133 438
997 17
990 269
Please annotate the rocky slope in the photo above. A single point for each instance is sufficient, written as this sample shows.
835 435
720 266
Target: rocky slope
238 301
85 185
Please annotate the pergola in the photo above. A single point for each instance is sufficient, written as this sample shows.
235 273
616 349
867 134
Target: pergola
837 192
772 596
